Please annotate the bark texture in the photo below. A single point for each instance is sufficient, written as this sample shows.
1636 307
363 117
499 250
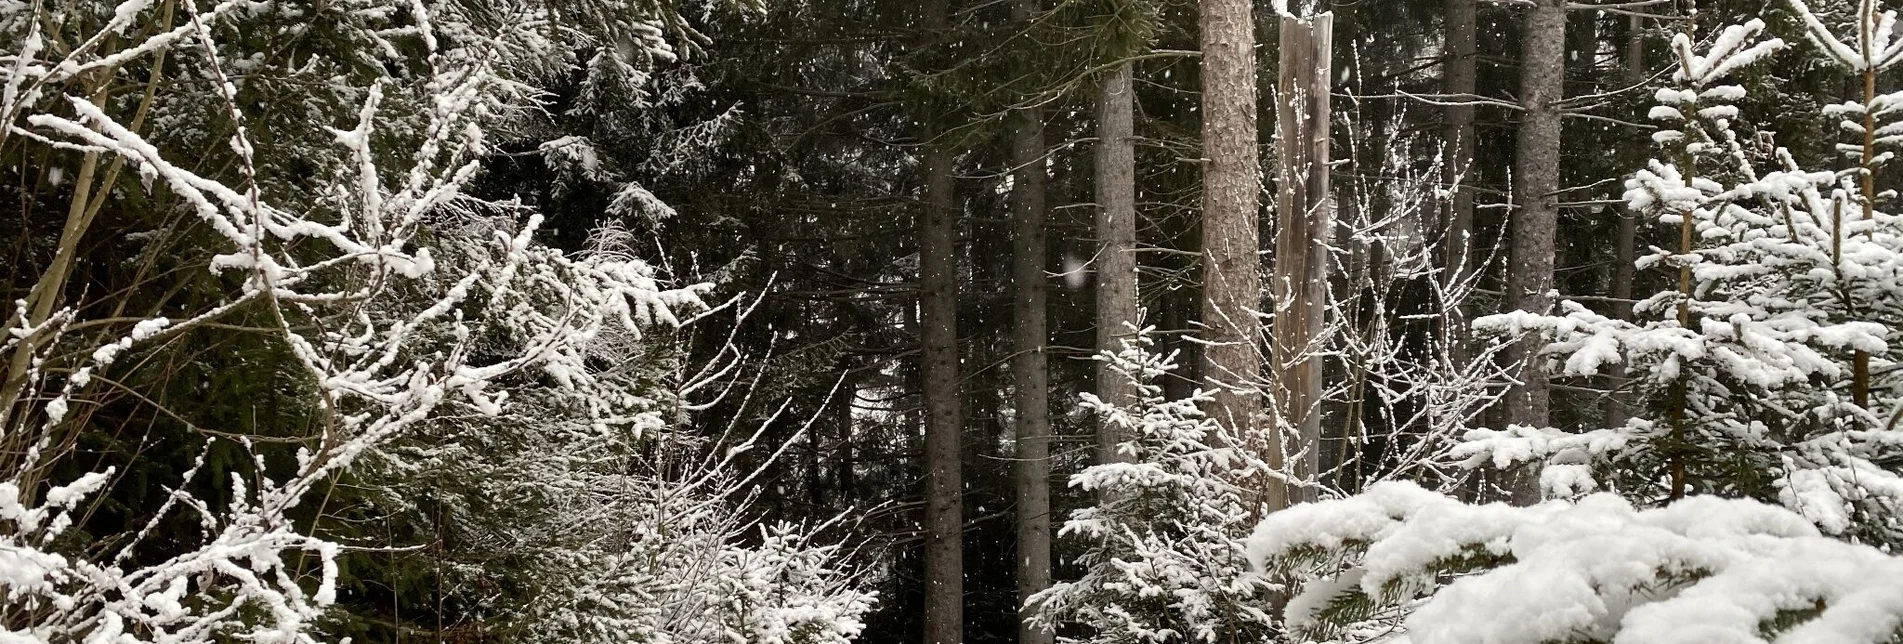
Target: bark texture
1536 180
938 337
1116 244
1232 284
1304 216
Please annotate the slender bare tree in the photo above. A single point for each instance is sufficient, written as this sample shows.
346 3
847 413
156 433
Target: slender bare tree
1625 245
1304 215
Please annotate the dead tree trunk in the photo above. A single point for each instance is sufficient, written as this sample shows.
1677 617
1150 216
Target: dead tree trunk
938 338
1028 370
1232 285
1116 243
1304 216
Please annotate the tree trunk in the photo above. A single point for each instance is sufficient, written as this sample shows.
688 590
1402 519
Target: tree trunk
1232 286
938 319
1536 182
1536 179
1457 254
1300 282
845 480
1625 245
938 336
1116 244
1860 361
1028 369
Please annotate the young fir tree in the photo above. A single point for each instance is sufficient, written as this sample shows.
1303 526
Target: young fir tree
1163 553
1766 373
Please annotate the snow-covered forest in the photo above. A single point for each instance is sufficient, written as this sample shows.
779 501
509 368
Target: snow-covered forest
948 321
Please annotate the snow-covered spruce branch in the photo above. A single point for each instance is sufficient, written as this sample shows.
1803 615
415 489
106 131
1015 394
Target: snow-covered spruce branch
1375 567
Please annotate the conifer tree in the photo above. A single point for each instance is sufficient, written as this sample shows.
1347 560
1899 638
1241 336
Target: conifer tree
1163 551
1747 369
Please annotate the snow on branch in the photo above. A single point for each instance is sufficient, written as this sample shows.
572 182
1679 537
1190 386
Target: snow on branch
1412 565
400 299
1747 371
1163 547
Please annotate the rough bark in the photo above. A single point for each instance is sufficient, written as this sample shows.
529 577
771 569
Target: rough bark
1231 178
1536 182
1457 169
938 337
1304 216
1116 244
944 426
1028 369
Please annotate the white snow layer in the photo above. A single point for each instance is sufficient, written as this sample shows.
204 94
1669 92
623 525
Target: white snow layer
1703 569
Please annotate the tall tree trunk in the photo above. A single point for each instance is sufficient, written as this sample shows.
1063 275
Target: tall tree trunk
816 478
1116 244
944 425
1625 244
1457 80
1028 369
1301 242
938 337
1032 381
1232 286
1459 265
845 480
1536 182
1179 313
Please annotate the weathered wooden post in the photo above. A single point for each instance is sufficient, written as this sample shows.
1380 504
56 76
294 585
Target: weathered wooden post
1304 215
